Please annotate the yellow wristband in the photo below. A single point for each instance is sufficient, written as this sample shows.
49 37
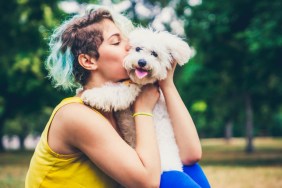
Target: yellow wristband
142 114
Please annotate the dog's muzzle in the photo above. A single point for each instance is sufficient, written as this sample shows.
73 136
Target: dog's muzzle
142 62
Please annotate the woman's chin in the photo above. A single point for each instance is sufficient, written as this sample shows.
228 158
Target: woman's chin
124 79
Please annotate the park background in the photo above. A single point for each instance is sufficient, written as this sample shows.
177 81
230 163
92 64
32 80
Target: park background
231 86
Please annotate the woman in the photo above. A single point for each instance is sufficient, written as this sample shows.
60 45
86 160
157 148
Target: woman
82 147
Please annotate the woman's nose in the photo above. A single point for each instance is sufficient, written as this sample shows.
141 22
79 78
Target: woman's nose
127 46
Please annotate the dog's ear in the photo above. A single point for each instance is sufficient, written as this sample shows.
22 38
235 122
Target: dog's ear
179 50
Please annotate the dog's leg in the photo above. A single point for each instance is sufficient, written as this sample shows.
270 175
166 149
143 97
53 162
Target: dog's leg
169 153
125 122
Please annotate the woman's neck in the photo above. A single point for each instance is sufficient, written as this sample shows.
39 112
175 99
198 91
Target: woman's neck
95 80
92 83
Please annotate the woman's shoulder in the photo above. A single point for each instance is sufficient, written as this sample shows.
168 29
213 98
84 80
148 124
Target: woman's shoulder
77 121
77 112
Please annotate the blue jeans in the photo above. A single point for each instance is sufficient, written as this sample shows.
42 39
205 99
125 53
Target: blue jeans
191 177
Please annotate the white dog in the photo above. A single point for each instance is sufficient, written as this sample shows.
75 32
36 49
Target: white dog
151 56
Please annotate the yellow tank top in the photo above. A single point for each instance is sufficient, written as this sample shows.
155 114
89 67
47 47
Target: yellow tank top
49 169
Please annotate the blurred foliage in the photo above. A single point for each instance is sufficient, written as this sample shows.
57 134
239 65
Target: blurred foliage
31 123
25 91
237 44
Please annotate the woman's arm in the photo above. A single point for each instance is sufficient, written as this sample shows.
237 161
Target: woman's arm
93 135
184 129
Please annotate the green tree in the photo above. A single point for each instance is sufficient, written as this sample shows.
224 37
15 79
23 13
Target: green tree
24 27
24 124
238 45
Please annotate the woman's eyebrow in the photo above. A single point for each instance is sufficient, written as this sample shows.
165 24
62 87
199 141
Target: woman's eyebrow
114 35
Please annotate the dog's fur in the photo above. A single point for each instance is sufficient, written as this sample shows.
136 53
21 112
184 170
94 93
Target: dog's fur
157 51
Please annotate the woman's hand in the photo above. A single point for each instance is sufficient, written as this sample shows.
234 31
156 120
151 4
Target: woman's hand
169 79
148 98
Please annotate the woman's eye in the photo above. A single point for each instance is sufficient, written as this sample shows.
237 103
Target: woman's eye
138 49
116 44
154 54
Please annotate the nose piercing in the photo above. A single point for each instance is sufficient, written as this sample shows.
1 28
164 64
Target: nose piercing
142 62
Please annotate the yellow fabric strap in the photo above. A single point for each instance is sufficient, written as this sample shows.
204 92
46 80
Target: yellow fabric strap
142 114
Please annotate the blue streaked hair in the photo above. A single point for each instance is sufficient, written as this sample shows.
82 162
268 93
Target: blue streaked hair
60 61
74 37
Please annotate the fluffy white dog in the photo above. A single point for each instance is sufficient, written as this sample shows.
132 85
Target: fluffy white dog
151 56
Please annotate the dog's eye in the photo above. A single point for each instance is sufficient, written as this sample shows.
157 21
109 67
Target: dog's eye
154 54
138 49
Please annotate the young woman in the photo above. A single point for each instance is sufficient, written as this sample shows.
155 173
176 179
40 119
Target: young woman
82 147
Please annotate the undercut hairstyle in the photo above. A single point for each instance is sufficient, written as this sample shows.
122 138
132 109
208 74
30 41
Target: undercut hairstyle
82 34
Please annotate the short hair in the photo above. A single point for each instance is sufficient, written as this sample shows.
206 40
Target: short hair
76 36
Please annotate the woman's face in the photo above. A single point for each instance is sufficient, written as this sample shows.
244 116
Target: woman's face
112 52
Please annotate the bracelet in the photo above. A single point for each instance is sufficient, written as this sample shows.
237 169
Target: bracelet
142 114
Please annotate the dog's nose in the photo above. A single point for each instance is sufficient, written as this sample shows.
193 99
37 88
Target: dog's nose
142 62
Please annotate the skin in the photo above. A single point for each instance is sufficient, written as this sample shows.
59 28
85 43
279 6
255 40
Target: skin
109 66
76 127
185 132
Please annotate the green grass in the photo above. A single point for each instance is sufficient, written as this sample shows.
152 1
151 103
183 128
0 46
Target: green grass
225 164
13 168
